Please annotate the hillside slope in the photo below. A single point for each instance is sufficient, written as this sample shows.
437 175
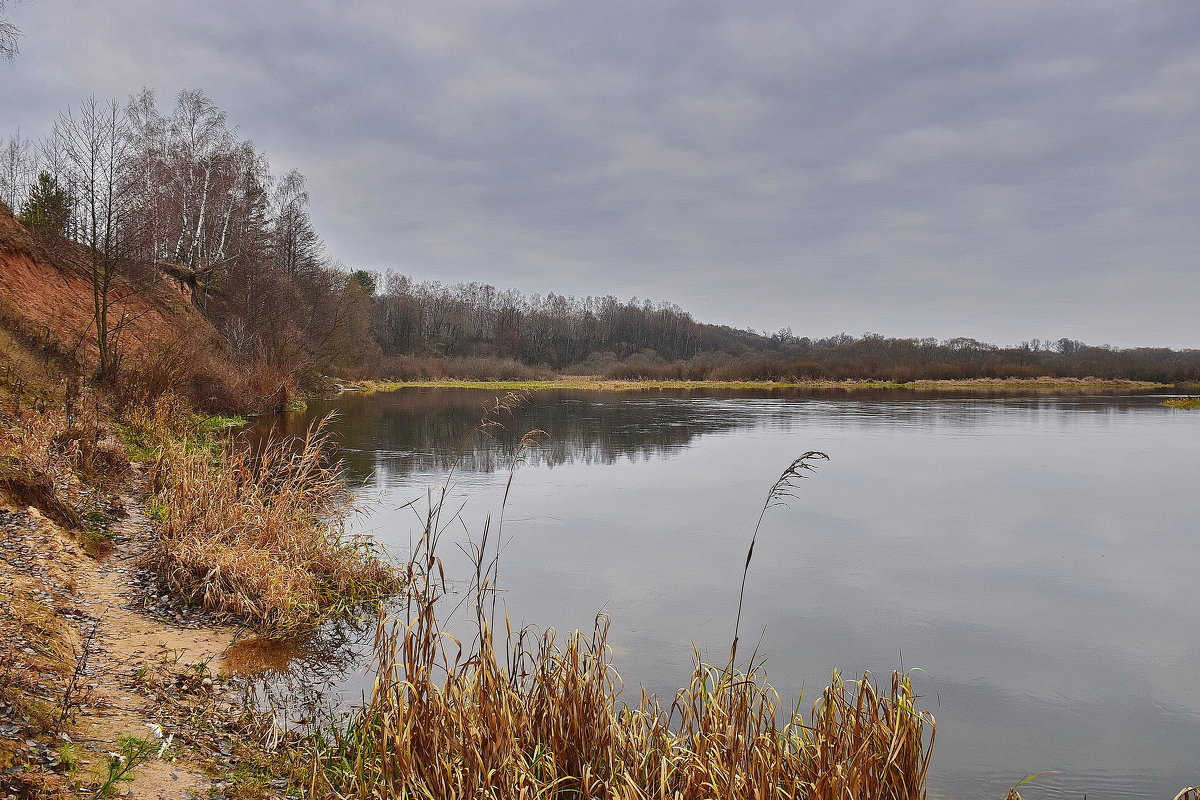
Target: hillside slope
47 311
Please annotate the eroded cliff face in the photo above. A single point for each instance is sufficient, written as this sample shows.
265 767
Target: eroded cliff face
46 293
162 341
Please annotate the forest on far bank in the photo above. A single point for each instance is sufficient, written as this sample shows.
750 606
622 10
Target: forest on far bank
126 194
628 340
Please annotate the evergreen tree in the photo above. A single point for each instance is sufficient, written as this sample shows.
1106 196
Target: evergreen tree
48 207
366 281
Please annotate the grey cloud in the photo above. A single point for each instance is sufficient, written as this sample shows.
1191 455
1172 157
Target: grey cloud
995 169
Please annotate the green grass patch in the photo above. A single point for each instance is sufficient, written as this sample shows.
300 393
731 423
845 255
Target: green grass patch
146 431
1182 402
606 385
155 509
217 423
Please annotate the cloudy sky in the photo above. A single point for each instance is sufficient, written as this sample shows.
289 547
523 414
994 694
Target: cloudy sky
1002 169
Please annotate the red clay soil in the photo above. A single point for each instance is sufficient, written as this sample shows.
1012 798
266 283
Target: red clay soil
54 303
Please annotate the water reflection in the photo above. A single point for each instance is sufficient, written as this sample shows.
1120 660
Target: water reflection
1030 554
426 430
308 679
387 436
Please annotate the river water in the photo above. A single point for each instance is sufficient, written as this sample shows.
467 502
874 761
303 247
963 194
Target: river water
1035 557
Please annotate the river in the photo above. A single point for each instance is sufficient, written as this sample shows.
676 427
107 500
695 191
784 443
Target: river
1035 557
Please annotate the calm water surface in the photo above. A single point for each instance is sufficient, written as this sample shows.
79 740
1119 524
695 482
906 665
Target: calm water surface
1035 557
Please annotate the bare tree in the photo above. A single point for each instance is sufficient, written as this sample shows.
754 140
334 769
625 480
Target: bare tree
298 249
200 145
100 169
18 169
203 190
9 34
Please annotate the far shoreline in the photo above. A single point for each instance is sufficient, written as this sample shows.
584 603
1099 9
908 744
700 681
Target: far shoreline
594 383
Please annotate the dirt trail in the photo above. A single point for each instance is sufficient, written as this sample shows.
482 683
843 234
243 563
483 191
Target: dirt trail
100 649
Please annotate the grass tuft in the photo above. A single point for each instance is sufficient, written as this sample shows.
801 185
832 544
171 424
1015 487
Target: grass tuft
260 535
444 724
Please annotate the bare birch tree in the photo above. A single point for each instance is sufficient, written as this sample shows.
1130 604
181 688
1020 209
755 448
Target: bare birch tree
18 169
203 189
9 35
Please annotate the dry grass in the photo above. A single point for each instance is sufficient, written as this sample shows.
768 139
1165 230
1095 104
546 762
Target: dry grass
51 445
1185 403
419 368
259 535
550 724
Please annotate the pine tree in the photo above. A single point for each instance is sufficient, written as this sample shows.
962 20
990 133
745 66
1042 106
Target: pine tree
48 207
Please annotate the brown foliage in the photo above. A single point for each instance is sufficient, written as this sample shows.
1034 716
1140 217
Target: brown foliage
445 726
413 368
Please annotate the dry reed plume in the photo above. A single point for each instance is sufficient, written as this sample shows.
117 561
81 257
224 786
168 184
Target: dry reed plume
260 534
778 495
533 719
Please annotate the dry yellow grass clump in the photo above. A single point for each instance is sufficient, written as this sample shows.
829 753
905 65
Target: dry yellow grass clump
550 724
259 534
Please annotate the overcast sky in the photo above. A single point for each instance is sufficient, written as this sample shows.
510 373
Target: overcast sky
1005 169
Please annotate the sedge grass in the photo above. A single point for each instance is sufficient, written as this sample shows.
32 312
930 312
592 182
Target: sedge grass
442 723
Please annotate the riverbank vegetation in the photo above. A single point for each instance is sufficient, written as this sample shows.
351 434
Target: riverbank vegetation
1182 402
105 563
544 720
255 534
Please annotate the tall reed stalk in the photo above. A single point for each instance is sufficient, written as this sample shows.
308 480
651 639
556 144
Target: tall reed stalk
780 491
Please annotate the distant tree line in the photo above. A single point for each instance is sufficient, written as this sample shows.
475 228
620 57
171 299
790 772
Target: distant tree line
477 320
875 357
640 339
